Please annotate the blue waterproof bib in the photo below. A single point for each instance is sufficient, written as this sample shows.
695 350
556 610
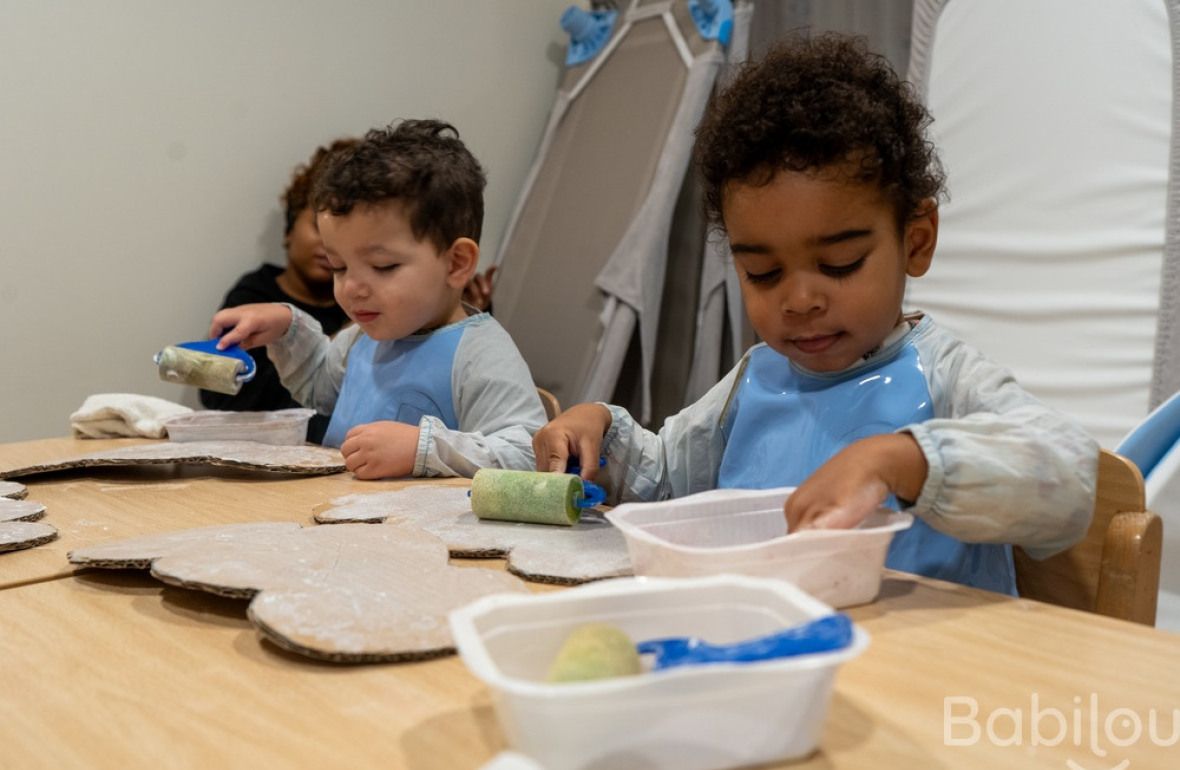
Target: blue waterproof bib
784 423
398 380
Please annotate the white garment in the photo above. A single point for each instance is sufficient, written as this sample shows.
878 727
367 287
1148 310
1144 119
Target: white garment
113 415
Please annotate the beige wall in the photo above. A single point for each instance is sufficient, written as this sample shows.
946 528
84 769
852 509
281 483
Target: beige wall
143 145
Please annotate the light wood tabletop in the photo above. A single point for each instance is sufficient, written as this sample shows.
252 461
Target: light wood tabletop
107 503
113 669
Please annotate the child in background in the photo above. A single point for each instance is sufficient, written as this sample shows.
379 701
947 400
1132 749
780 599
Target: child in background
305 283
816 165
421 384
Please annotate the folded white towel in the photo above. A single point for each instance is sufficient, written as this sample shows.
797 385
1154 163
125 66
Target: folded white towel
111 415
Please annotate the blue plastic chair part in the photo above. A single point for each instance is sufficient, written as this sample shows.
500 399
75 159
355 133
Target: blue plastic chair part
233 351
1151 439
826 634
589 32
714 19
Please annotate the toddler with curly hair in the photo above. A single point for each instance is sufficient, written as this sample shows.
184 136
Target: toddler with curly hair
817 168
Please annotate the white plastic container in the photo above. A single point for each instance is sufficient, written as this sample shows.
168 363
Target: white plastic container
745 532
686 718
287 427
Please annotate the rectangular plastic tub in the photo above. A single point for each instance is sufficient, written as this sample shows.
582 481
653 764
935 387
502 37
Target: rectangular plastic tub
686 718
745 532
286 427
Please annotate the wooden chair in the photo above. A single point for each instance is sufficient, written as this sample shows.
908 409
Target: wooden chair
552 407
1115 570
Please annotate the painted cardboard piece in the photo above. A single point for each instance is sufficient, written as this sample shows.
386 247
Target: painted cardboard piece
307 459
13 490
592 549
19 528
352 594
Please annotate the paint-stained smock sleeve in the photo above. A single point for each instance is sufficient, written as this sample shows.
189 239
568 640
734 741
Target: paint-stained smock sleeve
496 405
682 459
1003 467
310 365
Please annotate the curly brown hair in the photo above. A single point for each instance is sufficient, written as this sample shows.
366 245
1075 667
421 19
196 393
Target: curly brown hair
297 196
826 103
421 163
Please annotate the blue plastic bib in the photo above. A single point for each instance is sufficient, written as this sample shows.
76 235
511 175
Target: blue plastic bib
784 423
398 380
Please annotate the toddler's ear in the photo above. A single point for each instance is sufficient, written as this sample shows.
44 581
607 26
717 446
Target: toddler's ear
463 260
921 236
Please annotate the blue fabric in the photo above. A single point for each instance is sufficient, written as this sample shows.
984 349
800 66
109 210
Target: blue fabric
784 423
399 380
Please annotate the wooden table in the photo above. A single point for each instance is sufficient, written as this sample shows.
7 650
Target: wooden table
110 503
113 669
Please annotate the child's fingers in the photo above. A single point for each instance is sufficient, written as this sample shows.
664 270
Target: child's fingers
557 458
222 320
239 335
588 456
551 452
351 446
353 461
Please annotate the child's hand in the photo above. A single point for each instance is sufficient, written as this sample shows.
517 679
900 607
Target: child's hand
251 326
846 489
381 450
577 431
478 291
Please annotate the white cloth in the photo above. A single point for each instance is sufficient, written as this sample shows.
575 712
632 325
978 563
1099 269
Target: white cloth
113 415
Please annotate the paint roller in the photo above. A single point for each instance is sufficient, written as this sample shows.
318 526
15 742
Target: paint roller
202 365
532 497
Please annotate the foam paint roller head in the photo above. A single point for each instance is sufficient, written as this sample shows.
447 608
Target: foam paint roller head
595 651
202 365
531 496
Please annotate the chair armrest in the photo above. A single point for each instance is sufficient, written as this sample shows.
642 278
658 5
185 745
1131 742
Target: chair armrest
1128 582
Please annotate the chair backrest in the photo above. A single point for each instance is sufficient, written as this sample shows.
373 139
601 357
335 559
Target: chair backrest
1115 570
549 401
1058 247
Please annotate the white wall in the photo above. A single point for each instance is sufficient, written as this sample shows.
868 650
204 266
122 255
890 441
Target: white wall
144 144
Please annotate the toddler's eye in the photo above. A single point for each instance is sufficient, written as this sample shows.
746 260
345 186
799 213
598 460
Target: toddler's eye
336 270
840 271
766 277
386 268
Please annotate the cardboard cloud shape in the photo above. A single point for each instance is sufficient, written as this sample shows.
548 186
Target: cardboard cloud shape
592 549
19 527
354 593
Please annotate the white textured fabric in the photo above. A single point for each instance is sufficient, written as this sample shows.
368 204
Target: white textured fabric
115 415
1003 467
1053 120
495 401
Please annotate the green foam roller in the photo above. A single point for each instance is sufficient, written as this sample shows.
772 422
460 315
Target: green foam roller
595 651
527 496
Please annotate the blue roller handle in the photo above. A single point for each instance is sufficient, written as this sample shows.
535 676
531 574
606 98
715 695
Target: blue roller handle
592 494
831 632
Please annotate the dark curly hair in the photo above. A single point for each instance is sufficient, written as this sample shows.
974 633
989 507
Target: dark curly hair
297 196
421 163
821 104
